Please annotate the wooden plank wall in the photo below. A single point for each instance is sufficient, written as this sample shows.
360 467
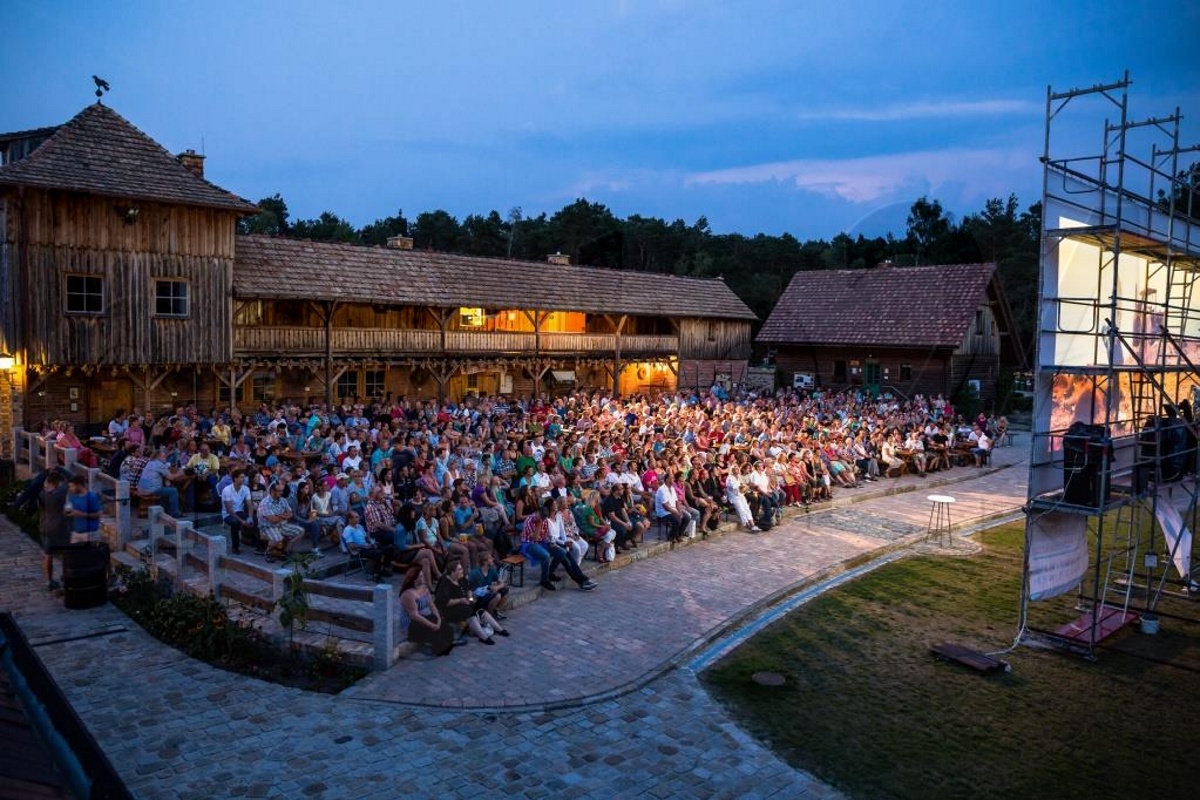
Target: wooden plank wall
714 339
67 233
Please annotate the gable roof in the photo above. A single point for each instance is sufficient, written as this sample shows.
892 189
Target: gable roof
899 306
100 152
268 267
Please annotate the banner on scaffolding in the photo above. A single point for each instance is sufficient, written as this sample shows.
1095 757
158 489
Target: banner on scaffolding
1179 538
1058 554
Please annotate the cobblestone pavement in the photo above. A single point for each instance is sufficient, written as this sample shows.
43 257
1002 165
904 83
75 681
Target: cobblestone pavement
581 700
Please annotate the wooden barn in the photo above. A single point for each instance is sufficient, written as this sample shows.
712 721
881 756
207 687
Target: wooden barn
116 266
910 330
123 285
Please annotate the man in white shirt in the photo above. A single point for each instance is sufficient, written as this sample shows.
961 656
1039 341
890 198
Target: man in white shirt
239 512
666 508
983 445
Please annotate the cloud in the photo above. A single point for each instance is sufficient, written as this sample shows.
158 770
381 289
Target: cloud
923 110
872 178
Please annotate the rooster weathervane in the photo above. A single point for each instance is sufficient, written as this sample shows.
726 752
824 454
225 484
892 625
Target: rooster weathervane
101 86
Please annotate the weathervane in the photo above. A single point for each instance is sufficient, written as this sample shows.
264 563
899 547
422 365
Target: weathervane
101 86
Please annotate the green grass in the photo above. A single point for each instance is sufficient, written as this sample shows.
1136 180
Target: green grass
869 710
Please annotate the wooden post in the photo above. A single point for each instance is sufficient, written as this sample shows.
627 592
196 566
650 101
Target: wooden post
383 617
216 551
154 514
617 328
123 515
328 307
182 527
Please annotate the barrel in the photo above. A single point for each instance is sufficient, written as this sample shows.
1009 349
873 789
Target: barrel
85 575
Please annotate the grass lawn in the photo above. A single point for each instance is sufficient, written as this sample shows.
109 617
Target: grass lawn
869 710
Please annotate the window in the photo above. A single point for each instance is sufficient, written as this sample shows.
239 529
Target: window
85 294
374 383
712 331
223 394
472 381
347 385
839 370
906 372
979 322
170 298
470 317
263 386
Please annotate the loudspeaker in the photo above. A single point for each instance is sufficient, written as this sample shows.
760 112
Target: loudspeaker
1087 462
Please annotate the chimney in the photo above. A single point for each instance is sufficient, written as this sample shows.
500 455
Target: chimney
400 242
193 161
559 259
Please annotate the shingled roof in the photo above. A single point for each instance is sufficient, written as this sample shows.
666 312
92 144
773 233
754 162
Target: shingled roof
100 152
269 267
899 306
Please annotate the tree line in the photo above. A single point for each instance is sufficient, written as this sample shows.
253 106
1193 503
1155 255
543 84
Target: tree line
758 268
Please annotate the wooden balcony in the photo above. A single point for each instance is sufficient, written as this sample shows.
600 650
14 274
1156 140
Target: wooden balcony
289 341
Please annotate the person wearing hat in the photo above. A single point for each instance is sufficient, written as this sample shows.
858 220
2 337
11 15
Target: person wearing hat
339 502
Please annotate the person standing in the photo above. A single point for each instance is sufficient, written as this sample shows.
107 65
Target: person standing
54 525
82 507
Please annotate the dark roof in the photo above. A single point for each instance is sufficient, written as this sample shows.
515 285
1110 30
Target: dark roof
269 267
900 306
100 152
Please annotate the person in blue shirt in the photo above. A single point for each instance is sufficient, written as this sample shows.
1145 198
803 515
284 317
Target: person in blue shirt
82 507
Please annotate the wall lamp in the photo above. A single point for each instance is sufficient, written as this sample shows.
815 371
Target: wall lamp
7 362
128 213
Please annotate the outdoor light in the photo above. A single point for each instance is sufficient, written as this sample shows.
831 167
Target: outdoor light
7 362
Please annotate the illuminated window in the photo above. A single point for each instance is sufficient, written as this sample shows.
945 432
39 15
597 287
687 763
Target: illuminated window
470 317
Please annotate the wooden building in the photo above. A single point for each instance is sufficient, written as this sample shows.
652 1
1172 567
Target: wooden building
123 284
116 266
928 330
369 320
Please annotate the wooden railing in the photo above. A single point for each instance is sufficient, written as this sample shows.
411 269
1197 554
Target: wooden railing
285 340
33 454
372 609
650 345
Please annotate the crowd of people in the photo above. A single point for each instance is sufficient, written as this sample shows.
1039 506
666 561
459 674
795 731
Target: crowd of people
447 491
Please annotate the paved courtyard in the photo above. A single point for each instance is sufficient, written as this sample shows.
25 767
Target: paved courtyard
586 698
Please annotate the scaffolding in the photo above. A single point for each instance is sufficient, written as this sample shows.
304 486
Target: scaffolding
1114 435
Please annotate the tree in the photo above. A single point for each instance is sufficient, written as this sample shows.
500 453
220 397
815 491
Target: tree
270 220
927 223
379 231
1185 191
328 227
485 236
437 230
589 233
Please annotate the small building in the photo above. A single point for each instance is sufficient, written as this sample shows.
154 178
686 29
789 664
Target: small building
909 330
